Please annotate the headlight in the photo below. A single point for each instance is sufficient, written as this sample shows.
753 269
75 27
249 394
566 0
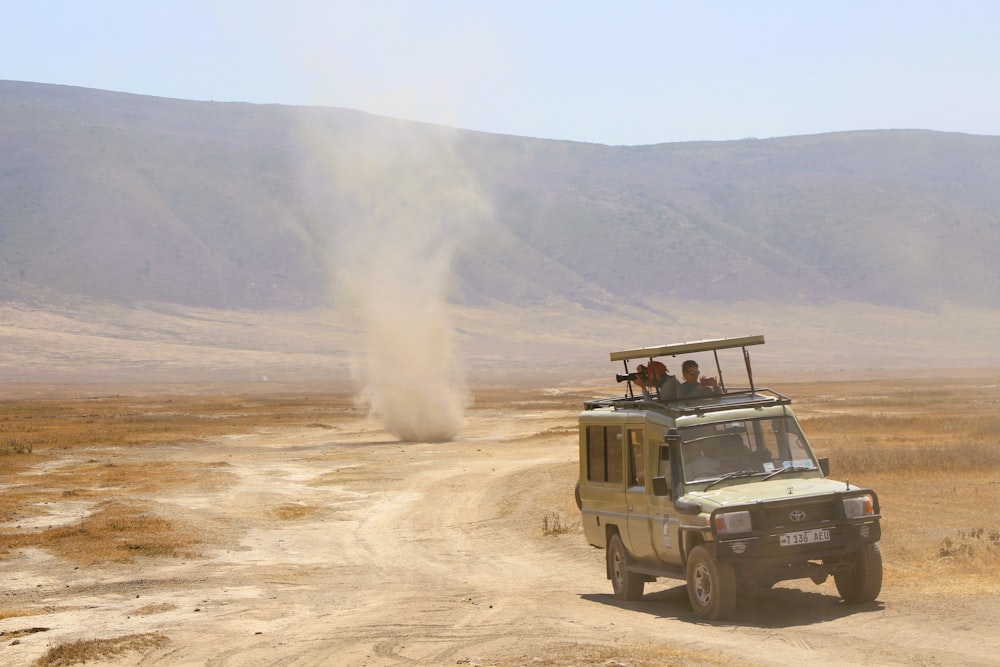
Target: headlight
859 506
733 522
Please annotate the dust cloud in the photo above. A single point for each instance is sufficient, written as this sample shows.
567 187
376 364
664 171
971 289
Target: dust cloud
405 201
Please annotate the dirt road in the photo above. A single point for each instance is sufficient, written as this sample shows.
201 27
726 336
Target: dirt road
333 544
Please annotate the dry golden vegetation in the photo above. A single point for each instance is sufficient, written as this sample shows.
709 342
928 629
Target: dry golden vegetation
111 532
933 458
122 420
91 650
82 447
931 449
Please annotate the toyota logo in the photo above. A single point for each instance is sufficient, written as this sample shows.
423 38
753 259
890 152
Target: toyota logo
797 515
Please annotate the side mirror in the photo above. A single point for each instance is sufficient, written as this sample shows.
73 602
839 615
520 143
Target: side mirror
687 506
824 465
660 486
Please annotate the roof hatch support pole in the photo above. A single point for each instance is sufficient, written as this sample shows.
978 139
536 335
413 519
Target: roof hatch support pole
746 359
718 369
630 394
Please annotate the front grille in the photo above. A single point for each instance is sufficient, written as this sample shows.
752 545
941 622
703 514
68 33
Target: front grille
805 513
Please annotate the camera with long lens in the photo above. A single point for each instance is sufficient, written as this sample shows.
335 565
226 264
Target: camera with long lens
639 375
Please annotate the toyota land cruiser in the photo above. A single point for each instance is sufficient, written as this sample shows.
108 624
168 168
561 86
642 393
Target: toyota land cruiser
722 491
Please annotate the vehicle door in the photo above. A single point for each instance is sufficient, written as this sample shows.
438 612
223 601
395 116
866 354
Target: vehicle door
637 496
664 527
603 480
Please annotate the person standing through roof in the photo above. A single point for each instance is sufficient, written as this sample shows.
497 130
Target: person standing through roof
692 387
654 379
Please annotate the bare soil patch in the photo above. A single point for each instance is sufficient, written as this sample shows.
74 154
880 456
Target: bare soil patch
224 529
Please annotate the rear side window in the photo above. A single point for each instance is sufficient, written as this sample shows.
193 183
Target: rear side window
604 454
637 458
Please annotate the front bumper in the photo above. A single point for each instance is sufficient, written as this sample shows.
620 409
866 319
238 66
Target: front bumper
765 548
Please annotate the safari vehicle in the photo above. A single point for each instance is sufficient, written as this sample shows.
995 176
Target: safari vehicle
722 491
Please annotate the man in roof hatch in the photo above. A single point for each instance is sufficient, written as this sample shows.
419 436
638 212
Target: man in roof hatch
655 378
692 387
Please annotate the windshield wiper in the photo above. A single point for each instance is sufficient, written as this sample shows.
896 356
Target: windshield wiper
731 475
788 469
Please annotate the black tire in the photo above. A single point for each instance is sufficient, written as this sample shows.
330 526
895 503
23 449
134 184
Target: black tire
711 585
579 500
627 585
863 581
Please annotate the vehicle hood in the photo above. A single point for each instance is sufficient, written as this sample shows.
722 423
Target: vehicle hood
781 488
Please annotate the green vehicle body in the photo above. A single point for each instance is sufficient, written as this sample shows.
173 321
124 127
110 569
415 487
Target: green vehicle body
723 492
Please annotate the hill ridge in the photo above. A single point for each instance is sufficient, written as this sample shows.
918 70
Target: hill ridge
226 204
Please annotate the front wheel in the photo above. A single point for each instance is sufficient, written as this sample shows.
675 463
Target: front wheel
711 585
862 582
627 585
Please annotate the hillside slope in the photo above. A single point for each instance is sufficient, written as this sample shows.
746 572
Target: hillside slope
131 198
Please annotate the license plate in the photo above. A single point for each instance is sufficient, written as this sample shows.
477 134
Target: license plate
804 537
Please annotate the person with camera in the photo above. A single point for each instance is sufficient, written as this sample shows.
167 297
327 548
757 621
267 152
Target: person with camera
654 379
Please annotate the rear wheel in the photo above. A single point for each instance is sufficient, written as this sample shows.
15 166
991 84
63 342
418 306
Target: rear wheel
862 582
627 585
711 585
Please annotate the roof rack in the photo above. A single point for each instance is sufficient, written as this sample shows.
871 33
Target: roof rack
743 398
711 345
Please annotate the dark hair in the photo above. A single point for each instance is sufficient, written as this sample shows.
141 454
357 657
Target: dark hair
688 365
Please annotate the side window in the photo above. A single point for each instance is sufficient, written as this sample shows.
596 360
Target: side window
604 454
615 454
663 466
597 469
794 444
637 461
778 442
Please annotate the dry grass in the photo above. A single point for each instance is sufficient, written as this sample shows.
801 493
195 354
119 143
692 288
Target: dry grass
131 421
932 453
156 608
973 546
15 446
91 650
293 511
554 523
12 612
114 532
932 456
82 450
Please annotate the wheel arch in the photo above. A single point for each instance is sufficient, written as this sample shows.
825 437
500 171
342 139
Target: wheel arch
691 538
610 530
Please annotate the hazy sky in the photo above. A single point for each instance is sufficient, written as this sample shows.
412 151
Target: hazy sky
625 72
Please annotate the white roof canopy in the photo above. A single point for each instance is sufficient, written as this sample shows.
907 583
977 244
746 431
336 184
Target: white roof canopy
687 348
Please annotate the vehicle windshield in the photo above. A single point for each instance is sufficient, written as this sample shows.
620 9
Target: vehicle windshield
744 448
